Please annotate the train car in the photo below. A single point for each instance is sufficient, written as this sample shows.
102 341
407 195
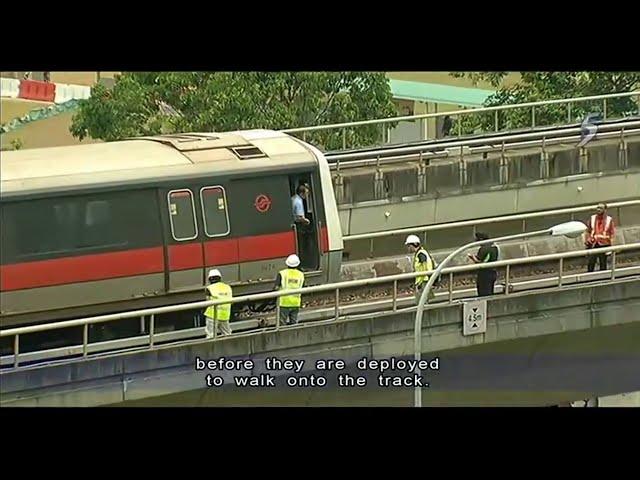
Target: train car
109 227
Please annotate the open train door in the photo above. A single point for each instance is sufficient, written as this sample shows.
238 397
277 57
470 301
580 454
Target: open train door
307 244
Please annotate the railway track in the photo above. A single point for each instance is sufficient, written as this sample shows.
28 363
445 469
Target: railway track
353 302
460 282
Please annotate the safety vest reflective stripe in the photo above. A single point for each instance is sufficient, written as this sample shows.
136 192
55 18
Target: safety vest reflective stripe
422 266
291 279
219 291
601 235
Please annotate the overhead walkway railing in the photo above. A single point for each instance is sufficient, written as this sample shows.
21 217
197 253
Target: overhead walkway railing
531 108
372 157
522 217
485 162
562 280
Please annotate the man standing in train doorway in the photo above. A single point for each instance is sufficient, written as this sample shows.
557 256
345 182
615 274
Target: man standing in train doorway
422 262
303 224
220 314
486 279
290 279
599 234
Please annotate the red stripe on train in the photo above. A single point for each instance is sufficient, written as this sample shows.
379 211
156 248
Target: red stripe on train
223 251
324 240
263 247
217 252
227 251
249 249
185 256
81 269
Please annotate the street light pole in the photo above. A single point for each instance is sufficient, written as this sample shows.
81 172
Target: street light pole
568 229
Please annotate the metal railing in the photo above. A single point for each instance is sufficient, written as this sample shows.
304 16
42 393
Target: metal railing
334 287
524 140
316 316
464 163
458 114
371 236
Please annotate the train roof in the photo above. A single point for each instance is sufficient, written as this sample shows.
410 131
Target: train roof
148 160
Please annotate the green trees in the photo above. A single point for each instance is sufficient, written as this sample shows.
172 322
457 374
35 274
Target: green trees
148 103
538 86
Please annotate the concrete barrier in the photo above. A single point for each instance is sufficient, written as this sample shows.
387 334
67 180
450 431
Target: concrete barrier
36 90
524 167
9 87
66 92
170 369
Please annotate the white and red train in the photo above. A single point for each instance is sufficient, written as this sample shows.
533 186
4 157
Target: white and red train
106 227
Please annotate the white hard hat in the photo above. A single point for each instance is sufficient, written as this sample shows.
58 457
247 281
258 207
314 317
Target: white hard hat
214 272
412 239
292 261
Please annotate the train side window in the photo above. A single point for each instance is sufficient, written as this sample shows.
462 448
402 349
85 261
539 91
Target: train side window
61 226
99 228
182 215
97 212
214 211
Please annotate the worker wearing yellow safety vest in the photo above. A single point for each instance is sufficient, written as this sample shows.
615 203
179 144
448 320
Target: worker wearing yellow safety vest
220 314
290 279
422 262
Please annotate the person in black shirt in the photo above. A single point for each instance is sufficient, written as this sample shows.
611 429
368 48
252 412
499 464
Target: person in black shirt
486 279
447 123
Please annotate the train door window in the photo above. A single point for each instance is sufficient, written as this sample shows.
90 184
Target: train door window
214 211
182 215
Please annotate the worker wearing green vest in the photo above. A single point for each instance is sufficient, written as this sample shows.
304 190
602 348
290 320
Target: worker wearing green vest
422 262
220 314
290 279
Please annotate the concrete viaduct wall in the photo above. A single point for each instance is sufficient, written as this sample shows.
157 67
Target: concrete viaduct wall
170 369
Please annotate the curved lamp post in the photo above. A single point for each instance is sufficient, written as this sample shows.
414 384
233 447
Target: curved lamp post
568 229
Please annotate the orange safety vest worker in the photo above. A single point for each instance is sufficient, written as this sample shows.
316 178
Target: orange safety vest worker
601 230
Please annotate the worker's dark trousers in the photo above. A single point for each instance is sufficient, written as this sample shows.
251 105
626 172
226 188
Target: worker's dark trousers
418 292
289 315
485 282
601 259
305 249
